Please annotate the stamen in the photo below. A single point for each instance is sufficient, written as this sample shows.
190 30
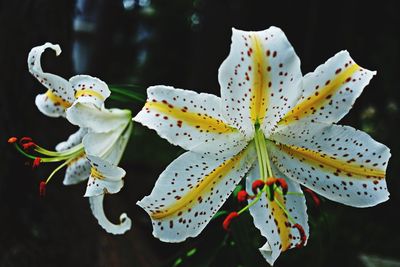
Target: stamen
314 196
25 140
42 189
271 181
12 140
228 220
27 146
283 184
257 185
36 162
303 237
242 196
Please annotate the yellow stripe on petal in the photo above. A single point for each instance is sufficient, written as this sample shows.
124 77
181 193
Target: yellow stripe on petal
333 164
281 221
260 80
201 189
58 101
321 97
88 92
202 122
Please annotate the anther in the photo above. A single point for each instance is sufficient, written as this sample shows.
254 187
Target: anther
314 196
36 162
24 140
283 184
303 237
12 140
228 220
257 185
271 181
42 188
242 196
27 146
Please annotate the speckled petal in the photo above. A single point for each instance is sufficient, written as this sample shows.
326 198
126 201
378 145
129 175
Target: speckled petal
77 171
191 190
338 162
96 205
272 221
260 80
190 120
60 94
330 91
88 89
105 178
99 120
73 140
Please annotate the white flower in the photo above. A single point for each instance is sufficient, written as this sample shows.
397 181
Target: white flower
270 122
100 140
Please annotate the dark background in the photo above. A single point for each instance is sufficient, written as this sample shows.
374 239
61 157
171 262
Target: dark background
180 43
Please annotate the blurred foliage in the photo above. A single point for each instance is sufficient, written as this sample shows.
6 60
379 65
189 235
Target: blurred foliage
181 43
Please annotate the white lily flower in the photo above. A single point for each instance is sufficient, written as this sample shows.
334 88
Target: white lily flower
61 94
100 140
269 123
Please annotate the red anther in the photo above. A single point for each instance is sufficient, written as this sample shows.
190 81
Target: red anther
303 237
42 189
228 220
24 140
12 140
242 196
314 196
36 162
283 184
271 181
257 184
28 145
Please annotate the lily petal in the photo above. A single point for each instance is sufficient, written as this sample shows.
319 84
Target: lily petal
88 89
190 120
77 171
109 146
330 91
191 190
96 205
99 120
338 162
259 80
73 140
105 178
272 221
60 94
101 144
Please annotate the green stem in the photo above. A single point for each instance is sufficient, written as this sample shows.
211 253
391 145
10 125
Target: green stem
57 169
127 93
